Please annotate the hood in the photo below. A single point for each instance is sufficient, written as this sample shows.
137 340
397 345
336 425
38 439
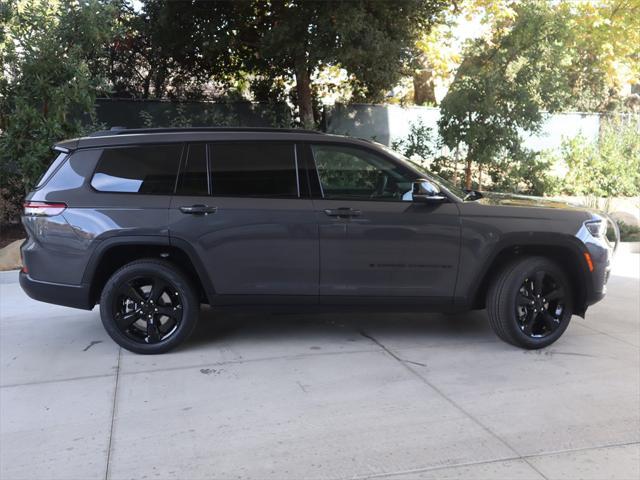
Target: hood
512 200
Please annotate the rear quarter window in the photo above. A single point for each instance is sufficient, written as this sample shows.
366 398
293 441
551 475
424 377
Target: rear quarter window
149 169
55 164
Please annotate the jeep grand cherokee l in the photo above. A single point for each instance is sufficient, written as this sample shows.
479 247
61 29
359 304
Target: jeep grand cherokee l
151 223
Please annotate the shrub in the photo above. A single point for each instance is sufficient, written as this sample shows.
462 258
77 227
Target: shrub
46 85
608 167
525 172
628 233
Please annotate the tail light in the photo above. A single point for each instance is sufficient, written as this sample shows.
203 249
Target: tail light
43 209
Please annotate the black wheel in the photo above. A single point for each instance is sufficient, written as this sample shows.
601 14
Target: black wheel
530 303
149 306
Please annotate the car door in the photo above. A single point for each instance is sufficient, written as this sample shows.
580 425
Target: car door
375 242
239 206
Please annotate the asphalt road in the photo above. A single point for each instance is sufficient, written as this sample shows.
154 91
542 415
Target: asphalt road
321 396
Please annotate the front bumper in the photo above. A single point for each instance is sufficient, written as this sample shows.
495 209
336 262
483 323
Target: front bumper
75 296
601 252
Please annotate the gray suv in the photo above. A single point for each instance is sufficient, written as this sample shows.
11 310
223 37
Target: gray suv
152 223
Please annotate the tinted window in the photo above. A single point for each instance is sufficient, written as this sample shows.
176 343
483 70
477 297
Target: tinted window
148 169
52 168
253 170
347 172
193 174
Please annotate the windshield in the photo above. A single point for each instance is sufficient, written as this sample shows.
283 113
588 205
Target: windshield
444 184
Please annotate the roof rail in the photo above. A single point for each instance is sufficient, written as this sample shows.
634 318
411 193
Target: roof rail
134 131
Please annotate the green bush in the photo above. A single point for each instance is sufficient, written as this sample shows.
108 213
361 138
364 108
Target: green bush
609 167
46 86
524 172
628 233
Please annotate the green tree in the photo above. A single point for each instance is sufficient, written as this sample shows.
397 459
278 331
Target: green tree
373 40
604 48
503 85
46 85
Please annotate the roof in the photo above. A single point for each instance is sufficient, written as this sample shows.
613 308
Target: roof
122 136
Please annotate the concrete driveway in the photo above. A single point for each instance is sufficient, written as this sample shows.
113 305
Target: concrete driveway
321 396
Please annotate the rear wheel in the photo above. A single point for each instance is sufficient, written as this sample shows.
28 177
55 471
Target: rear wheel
530 303
149 306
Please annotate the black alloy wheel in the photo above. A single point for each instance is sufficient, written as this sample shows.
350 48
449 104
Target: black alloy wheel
147 309
540 305
530 302
149 306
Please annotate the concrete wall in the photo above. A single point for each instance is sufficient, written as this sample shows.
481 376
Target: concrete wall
388 123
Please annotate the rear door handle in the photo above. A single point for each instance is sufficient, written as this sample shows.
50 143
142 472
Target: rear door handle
199 210
343 212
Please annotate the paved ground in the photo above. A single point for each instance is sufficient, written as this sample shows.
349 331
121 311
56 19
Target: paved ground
321 396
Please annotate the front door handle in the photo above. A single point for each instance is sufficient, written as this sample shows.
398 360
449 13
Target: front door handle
199 210
342 212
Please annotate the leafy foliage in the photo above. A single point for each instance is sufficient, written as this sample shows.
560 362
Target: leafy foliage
372 40
604 48
46 84
419 143
525 172
606 168
501 88
628 233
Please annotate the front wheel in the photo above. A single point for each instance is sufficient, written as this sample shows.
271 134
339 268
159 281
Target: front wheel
530 303
149 306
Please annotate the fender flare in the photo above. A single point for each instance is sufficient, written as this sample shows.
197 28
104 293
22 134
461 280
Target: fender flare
125 240
536 239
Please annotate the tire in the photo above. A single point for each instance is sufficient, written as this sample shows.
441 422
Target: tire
524 316
149 306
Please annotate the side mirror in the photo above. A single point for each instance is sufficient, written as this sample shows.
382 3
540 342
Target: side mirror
426 192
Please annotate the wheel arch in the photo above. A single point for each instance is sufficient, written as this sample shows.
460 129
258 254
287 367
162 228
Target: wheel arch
569 255
113 253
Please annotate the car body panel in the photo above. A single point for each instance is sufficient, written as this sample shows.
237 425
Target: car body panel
252 246
394 249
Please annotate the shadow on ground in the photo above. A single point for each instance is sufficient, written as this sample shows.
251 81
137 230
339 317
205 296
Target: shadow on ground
264 326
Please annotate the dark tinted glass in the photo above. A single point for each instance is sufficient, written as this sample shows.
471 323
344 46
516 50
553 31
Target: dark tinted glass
193 174
60 157
149 169
253 170
347 172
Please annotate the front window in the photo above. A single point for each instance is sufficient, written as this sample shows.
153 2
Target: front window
443 183
354 173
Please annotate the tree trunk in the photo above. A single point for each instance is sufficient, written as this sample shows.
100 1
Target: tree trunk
467 174
456 160
303 89
479 177
424 88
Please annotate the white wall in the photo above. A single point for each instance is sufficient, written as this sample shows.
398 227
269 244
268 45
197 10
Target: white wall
387 123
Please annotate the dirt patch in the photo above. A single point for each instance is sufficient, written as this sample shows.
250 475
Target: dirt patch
10 256
11 233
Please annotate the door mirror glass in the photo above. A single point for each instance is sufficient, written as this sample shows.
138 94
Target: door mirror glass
426 191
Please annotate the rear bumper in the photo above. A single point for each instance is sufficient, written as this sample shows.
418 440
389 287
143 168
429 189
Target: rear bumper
75 296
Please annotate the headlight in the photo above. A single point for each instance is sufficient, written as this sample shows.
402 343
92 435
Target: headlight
597 228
